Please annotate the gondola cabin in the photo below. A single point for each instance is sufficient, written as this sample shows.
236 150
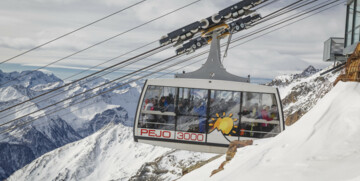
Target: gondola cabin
206 109
206 115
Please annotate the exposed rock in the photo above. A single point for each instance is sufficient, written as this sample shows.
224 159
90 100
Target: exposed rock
292 118
169 166
304 96
13 156
285 80
230 153
198 165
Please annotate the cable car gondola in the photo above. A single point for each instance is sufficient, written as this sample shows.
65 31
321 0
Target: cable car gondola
206 109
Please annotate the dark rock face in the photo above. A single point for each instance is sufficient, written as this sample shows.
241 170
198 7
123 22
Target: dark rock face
309 71
13 157
118 115
306 89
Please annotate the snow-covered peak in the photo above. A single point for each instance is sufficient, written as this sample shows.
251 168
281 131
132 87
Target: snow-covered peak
27 78
309 71
284 80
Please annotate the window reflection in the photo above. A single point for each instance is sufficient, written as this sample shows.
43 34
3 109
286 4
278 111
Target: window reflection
192 110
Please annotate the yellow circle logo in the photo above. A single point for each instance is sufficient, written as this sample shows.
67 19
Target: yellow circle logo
223 124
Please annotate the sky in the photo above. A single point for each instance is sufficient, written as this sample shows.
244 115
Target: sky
28 23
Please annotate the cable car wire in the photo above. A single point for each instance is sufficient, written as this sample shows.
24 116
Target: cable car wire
68 98
29 106
287 19
87 80
253 38
95 73
106 40
106 83
47 93
71 32
235 46
290 23
98 65
290 9
267 4
93 46
107 91
294 3
82 72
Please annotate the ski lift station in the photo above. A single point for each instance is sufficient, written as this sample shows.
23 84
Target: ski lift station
345 52
352 30
206 109
336 49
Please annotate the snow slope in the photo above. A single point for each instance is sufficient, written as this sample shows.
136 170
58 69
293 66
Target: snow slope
301 92
322 145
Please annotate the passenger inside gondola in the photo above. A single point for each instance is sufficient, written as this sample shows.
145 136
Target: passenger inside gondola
200 111
265 115
274 114
160 99
149 118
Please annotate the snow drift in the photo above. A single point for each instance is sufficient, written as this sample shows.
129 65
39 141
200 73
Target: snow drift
322 145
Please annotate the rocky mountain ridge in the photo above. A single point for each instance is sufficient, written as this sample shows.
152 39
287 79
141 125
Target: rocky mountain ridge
300 92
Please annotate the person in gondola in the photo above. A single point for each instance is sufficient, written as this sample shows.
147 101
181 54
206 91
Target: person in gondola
162 119
265 115
148 118
255 114
200 111
274 115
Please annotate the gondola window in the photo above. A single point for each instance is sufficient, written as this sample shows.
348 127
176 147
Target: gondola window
158 108
192 110
259 115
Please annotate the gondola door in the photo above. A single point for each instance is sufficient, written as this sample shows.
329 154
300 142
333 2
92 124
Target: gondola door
157 113
191 115
223 119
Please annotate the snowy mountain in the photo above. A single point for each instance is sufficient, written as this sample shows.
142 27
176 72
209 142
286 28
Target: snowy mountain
24 144
109 154
301 92
322 145
27 79
285 80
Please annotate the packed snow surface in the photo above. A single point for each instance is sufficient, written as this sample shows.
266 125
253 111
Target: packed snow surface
322 145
